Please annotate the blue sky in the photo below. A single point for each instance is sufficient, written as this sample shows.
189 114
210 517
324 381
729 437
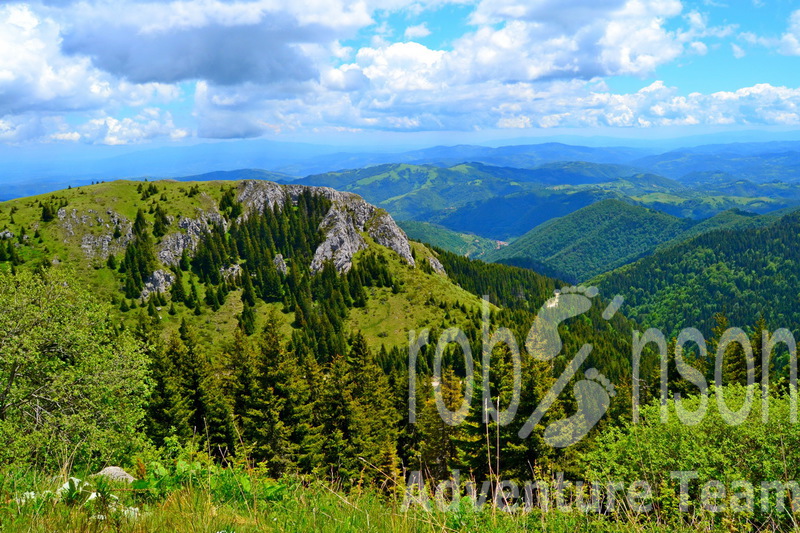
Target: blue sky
136 72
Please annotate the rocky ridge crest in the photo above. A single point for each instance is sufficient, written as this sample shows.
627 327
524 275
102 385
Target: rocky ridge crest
349 217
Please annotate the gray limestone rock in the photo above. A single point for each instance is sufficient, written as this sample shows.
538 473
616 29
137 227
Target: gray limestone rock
115 473
159 281
191 231
349 216
280 264
436 265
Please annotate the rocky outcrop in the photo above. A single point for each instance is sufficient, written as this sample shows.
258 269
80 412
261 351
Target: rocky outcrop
233 271
349 217
192 230
158 281
436 265
256 195
96 231
280 264
342 241
6 234
93 245
72 220
386 232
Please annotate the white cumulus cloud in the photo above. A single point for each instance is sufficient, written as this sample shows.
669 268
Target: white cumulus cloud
418 31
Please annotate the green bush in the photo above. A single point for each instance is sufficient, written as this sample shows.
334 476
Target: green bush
755 451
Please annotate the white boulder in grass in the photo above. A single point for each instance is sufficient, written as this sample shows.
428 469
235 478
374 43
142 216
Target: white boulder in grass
115 473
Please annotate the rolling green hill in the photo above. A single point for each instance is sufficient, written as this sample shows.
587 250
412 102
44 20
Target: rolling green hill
592 240
419 192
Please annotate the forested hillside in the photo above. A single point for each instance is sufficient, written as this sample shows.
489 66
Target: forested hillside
744 273
592 240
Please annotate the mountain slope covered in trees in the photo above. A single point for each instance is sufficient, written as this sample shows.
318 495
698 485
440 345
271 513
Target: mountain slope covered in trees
608 234
592 240
744 273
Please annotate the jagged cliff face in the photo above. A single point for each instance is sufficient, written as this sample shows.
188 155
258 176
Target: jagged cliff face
173 245
349 219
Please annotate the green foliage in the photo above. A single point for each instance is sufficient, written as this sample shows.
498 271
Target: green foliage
161 222
754 451
47 213
72 384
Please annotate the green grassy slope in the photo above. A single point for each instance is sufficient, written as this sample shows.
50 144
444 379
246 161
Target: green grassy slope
592 240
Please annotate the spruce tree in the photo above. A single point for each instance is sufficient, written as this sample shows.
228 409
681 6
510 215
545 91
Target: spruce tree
161 222
247 320
178 291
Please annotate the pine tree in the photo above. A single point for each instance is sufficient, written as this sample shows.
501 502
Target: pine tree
374 433
356 435
151 309
734 364
242 371
276 425
178 291
247 320
161 222
47 213
184 262
248 293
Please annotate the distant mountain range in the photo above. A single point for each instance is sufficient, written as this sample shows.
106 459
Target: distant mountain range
26 171
502 203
